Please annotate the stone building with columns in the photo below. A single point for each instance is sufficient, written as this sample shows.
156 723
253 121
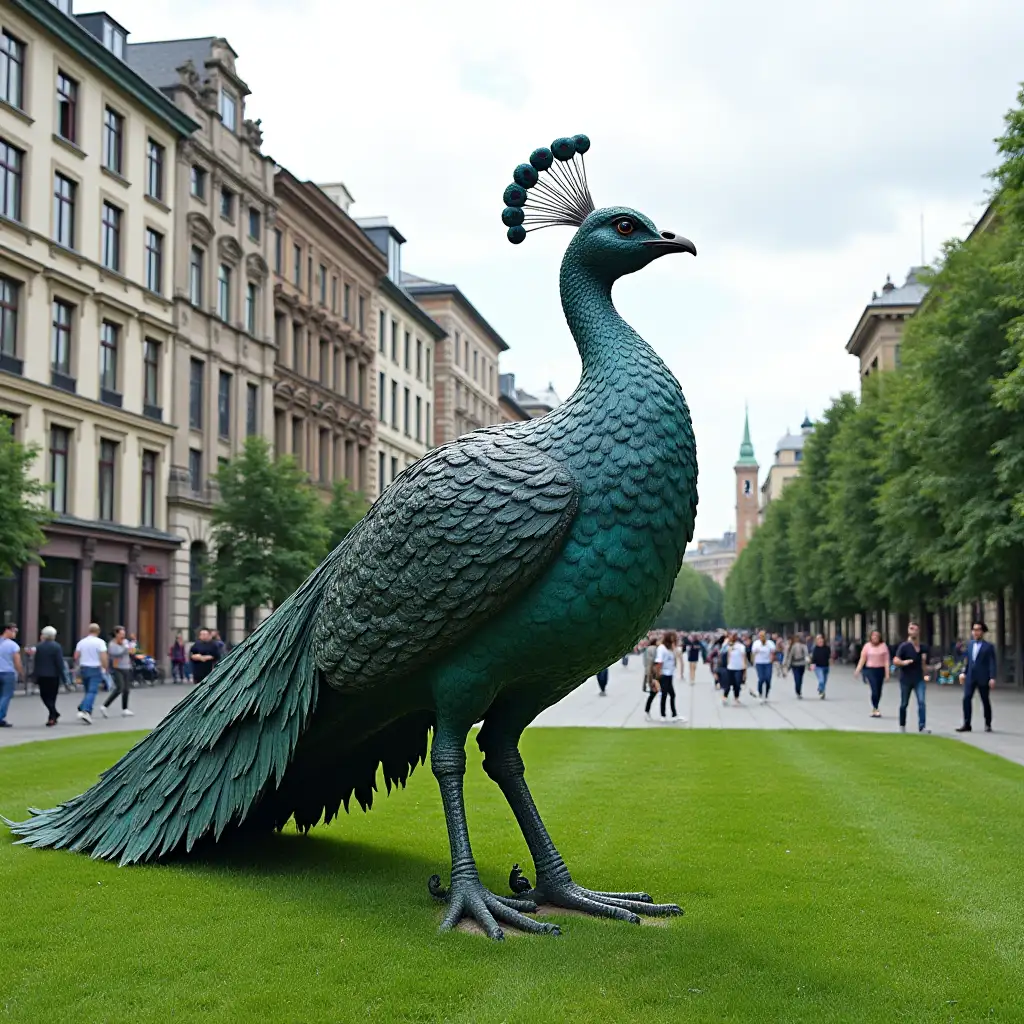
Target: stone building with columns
222 367
87 325
325 273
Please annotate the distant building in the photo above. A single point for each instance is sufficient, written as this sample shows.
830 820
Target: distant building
789 454
538 405
876 338
511 410
713 558
746 490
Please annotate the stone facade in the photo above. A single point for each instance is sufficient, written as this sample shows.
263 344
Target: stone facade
88 326
712 558
876 338
222 369
325 279
789 455
466 361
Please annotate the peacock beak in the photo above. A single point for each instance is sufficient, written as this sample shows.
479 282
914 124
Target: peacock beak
671 242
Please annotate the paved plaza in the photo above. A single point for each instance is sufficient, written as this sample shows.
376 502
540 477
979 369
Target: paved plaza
846 707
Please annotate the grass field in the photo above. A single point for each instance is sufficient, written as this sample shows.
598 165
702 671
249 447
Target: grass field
825 877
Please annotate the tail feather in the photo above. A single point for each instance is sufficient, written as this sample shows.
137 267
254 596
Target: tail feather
207 764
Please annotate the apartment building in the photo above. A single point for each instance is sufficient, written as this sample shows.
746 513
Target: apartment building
88 182
406 341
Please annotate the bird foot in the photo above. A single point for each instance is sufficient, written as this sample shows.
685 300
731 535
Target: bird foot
468 898
622 906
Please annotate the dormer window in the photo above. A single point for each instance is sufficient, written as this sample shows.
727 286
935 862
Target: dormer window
62 5
228 110
113 39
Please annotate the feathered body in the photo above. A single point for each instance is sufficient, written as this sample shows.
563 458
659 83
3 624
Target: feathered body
489 580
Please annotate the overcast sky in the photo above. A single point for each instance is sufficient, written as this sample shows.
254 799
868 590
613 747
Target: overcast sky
798 148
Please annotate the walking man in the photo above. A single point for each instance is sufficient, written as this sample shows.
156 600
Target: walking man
978 675
91 659
10 669
911 659
205 655
50 670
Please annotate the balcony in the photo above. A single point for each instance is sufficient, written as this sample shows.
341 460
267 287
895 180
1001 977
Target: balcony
63 381
108 397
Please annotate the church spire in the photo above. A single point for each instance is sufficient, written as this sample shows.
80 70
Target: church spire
746 448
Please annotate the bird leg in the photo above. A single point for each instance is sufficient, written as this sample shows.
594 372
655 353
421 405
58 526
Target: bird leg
504 765
467 896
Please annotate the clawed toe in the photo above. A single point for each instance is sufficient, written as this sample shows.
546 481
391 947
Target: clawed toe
616 905
470 899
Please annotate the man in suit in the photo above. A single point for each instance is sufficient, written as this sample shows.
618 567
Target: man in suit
979 674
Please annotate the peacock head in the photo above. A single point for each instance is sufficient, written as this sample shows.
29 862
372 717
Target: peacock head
552 189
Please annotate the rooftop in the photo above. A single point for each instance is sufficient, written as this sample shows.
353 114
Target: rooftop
416 285
910 293
158 62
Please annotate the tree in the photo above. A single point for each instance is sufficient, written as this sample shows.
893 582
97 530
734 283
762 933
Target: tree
22 517
268 530
347 507
695 603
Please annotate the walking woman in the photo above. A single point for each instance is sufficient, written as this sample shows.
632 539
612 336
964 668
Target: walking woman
874 663
664 669
50 671
120 654
796 659
821 658
734 654
693 652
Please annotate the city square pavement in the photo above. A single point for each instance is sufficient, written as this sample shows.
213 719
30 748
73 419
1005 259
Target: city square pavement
846 707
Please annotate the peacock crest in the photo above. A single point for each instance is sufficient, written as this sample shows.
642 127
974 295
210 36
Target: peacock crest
561 196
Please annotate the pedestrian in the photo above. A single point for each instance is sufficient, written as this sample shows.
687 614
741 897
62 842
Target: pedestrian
763 655
649 654
821 659
979 675
602 681
222 647
664 669
91 659
912 659
119 651
693 653
734 653
179 659
715 660
10 669
780 652
874 665
50 670
205 655
796 660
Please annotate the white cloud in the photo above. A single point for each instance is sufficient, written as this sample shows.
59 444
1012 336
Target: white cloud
797 145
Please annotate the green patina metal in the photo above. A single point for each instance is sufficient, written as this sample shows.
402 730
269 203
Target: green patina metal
489 580
746 447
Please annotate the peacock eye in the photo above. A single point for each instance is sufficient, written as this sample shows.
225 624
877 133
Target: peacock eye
624 226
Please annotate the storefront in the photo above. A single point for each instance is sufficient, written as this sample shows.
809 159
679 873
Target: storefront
92 573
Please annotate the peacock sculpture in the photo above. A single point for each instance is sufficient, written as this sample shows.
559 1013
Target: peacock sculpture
447 605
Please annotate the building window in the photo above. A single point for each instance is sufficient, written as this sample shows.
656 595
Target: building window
109 337
419 359
325 456
278 251
197 182
349 362
394 404
252 398
154 260
405 412
334 294
227 204
325 362
254 223
474 364
362 386
60 444
12 70
465 353
111 237
297 347
382 344
197 369
408 351
148 488
67 107
10 292
252 294
323 285
394 341
428 426
154 169
228 110
380 472
113 39
382 390
296 266
419 418
429 360
195 470
224 292
60 340
394 468
224 405
309 273
64 211
362 314
336 375
298 435
151 372
195 276
108 465
113 140
11 161
346 302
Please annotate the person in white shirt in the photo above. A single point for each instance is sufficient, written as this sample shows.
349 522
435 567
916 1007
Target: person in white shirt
762 652
735 655
91 659
665 660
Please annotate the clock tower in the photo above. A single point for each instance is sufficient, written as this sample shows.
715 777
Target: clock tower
746 490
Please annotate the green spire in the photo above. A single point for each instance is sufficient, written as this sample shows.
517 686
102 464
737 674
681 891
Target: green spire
746 448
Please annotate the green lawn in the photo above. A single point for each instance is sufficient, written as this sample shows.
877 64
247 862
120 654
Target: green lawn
825 877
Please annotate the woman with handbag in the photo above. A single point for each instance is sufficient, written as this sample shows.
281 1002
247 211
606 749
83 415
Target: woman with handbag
665 659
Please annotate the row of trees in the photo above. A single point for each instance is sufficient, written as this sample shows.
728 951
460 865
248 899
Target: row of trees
912 498
697 603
